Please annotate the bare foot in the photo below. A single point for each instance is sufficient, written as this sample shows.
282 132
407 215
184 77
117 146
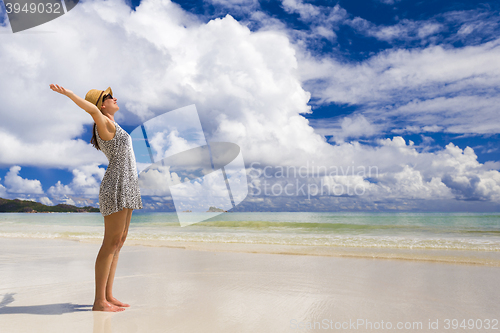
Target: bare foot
106 306
116 302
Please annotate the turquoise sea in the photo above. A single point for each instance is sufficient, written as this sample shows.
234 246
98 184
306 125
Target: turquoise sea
444 231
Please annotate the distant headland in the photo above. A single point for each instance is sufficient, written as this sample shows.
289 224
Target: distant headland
216 210
26 206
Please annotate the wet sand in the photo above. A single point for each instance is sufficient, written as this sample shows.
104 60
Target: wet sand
48 286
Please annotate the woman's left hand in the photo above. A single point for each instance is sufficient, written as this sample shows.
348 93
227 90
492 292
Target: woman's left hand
60 89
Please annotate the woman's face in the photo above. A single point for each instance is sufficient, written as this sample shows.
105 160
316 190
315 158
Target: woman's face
109 105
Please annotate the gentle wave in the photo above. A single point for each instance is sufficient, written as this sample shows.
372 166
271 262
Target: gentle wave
280 239
338 241
40 235
440 231
261 225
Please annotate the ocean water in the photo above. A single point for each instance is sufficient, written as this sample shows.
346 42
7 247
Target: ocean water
413 231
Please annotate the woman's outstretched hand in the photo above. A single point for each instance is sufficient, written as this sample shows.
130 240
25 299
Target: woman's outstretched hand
60 89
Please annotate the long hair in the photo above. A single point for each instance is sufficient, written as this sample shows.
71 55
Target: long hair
93 141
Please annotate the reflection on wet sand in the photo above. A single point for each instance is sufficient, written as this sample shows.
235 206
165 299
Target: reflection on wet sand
102 322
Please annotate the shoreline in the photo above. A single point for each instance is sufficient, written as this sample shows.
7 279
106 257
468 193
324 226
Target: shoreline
462 257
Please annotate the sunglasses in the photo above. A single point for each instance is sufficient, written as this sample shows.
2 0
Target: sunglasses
105 97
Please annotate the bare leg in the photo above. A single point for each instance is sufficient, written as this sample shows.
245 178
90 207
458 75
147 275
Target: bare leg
111 277
114 225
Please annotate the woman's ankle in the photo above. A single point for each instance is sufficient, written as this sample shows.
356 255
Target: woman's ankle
100 300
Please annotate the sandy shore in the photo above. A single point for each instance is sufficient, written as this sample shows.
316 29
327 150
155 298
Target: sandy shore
48 286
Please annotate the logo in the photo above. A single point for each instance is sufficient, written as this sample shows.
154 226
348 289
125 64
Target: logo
175 162
26 14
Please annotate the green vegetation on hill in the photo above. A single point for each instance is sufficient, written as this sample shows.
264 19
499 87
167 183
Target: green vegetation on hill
25 206
216 210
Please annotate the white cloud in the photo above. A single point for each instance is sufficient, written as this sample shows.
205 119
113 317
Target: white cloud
46 201
323 21
46 153
86 180
236 2
3 191
172 140
305 10
461 114
456 168
170 60
59 190
69 201
424 86
428 72
472 26
469 26
349 127
389 2
405 29
85 184
149 181
451 88
237 6
17 184
379 177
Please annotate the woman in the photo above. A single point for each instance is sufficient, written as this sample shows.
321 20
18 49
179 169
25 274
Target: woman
119 193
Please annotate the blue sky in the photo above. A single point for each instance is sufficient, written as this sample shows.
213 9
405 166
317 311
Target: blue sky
409 87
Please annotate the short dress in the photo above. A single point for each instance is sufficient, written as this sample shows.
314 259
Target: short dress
120 185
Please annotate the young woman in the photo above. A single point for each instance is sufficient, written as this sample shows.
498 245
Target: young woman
119 193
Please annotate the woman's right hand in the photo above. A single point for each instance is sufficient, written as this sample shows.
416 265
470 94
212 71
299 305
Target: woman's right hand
60 89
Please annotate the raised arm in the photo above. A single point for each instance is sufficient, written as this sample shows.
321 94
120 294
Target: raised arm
105 127
84 104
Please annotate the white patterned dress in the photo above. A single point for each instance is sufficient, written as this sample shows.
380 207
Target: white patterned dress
120 186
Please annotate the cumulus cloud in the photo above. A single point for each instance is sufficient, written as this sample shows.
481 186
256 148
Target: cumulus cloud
63 153
401 174
454 167
87 179
3 191
171 60
59 190
85 184
150 179
46 201
172 140
17 184
69 201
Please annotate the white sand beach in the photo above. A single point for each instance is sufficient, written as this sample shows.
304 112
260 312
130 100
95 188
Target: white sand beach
47 285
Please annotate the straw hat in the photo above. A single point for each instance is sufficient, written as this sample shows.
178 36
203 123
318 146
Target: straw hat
94 96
